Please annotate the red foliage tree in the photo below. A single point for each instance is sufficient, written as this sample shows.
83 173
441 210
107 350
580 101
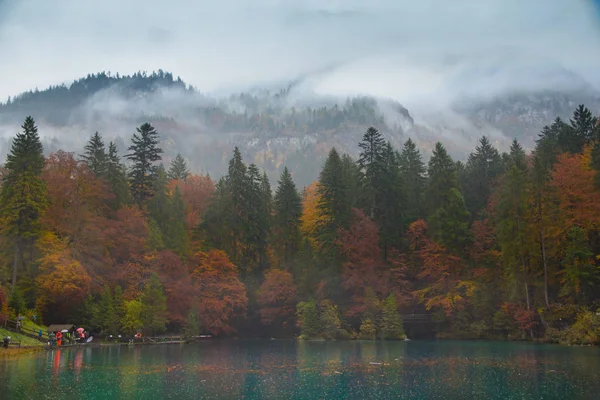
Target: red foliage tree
365 275
220 296
277 299
196 191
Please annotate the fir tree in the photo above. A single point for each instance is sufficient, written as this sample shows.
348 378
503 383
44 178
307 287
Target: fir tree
158 205
176 237
95 155
178 169
288 210
144 152
413 172
583 128
371 162
237 187
450 223
23 196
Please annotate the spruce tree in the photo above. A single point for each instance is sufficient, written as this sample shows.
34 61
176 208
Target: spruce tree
237 187
23 196
334 204
178 169
158 205
441 177
144 152
584 128
371 162
482 169
116 176
413 172
288 210
449 224
95 155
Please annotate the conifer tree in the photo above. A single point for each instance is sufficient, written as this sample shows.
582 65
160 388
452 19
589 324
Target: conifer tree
158 205
178 169
583 127
413 172
288 210
482 169
333 203
371 162
449 224
144 152
176 237
23 196
442 177
237 187
116 176
95 155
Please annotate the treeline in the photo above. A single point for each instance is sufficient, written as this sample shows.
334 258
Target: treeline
264 113
504 245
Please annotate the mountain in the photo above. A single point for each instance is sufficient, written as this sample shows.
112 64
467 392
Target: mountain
290 126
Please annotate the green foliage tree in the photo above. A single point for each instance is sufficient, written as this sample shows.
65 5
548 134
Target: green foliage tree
331 323
391 321
154 306
178 169
95 155
368 329
131 322
413 171
450 223
288 210
16 302
482 169
580 273
441 178
176 237
192 324
23 196
308 319
144 152
116 176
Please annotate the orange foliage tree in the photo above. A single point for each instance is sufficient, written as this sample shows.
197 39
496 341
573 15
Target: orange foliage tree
573 181
440 271
277 299
311 216
219 294
76 208
63 283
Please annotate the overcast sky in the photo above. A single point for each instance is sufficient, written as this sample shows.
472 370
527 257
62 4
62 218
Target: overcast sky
406 49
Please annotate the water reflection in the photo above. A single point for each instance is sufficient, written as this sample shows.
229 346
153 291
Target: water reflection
299 370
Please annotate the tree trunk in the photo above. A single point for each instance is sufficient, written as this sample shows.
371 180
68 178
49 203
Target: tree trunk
543 240
528 305
15 267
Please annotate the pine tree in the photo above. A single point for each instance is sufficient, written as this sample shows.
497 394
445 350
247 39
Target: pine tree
583 127
154 305
288 210
158 205
482 169
442 177
95 155
449 224
116 176
178 169
237 187
391 200
23 196
144 152
391 321
413 177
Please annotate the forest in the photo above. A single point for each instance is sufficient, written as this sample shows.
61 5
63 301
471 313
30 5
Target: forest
504 245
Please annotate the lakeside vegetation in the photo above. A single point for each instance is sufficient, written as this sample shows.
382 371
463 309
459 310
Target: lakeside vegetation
502 246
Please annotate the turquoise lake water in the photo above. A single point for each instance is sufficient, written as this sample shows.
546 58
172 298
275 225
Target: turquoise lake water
307 370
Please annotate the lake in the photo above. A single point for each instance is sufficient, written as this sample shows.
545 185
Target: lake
249 369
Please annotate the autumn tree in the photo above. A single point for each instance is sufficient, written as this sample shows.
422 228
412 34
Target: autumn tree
23 195
219 295
277 299
144 152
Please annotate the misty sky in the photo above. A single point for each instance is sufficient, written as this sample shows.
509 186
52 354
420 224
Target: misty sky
409 50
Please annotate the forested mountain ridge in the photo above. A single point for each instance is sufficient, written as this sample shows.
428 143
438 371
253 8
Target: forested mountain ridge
290 126
505 245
